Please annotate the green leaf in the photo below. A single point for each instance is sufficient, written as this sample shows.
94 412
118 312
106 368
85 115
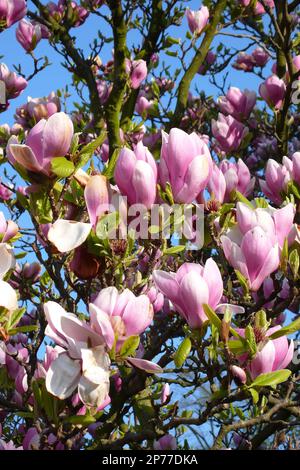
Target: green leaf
107 224
85 420
254 394
174 249
271 378
250 338
91 147
110 169
237 347
293 188
15 317
62 167
237 196
182 352
243 281
130 346
287 330
284 255
294 263
22 329
212 316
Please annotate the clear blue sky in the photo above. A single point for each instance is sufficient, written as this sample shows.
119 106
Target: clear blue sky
56 76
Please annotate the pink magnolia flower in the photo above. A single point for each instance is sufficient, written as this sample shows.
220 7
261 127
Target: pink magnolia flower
253 246
277 177
259 8
167 442
137 70
143 105
28 35
82 361
8 229
185 162
245 62
114 315
12 11
237 103
277 223
229 176
46 140
260 56
96 194
273 91
229 133
192 286
5 193
14 84
272 355
136 175
31 440
36 109
165 393
197 20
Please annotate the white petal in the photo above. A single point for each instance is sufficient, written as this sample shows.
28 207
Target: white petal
95 364
68 234
63 376
92 394
7 259
8 297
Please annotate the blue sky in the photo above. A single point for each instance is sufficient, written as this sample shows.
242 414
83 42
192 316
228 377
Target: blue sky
55 76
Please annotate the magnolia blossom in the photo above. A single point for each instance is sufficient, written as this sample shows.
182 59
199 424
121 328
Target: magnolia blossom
14 84
36 109
253 245
8 229
192 286
278 176
28 35
167 442
272 354
228 132
237 103
136 175
81 362
46 140
273 91
137 70
12 11
230 176
115 315
197 20
185 163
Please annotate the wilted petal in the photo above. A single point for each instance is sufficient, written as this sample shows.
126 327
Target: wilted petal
92 394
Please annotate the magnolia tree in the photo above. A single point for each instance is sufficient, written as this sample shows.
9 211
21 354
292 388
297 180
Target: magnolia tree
149 255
